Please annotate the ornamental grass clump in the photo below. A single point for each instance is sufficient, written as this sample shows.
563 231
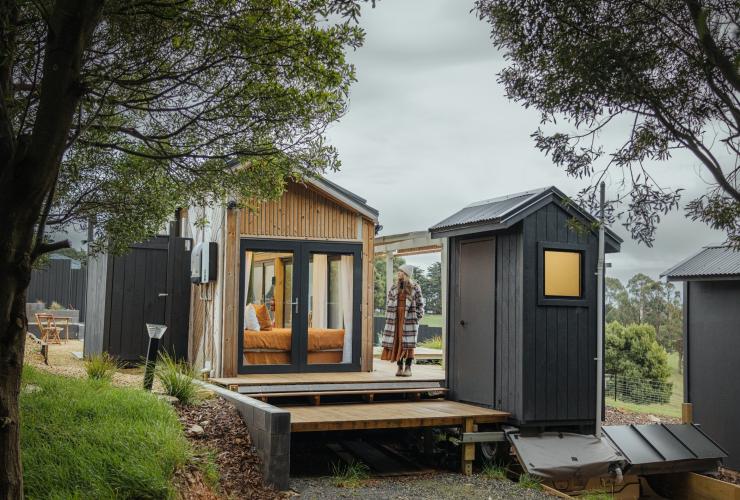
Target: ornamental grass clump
177 378
495 471
101 366
350 475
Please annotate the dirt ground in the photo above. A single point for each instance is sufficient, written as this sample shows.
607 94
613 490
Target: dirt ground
62 361
617 416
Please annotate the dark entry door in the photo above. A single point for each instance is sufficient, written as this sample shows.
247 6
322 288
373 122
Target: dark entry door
473 333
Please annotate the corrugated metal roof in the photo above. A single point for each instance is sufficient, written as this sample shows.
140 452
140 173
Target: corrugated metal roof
714 260
488 210
505 211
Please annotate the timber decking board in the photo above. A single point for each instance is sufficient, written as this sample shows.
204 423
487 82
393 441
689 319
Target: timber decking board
430 413
383 372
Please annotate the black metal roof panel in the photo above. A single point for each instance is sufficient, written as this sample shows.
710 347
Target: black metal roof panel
505 211
655 444
488 210
711 261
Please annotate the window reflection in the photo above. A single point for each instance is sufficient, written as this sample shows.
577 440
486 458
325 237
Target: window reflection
268 313
330 308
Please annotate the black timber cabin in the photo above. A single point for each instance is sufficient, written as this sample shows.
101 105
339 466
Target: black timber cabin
522 308
711 339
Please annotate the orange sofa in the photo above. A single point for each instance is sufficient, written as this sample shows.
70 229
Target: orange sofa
273 347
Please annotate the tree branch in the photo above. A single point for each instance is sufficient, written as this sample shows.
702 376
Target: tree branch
708 45
49 247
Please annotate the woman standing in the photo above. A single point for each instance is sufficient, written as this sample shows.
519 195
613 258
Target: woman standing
403 310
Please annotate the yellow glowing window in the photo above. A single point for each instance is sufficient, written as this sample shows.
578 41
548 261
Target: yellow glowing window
562 274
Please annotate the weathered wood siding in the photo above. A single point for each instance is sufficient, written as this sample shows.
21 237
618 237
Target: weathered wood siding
559 342
368 289
95 303
301 213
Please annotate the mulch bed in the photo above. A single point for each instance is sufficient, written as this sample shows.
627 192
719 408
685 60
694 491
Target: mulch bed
225 434
617 416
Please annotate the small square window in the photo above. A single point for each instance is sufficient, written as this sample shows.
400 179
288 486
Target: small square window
563 274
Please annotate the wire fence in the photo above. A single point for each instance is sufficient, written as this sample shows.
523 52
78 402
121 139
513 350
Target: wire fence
642 392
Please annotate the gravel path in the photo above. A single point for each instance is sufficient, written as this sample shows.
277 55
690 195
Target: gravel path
441 485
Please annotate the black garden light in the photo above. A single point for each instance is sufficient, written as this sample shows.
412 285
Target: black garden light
155 335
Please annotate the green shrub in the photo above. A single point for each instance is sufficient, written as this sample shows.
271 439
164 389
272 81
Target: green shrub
83 439
634 355
350 475
56 306
101 366
177 378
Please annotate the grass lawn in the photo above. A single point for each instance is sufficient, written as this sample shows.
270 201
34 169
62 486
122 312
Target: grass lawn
672 408
432 320
86 439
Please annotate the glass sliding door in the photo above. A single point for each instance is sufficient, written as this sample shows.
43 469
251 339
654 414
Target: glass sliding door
268 296
331 315
299 306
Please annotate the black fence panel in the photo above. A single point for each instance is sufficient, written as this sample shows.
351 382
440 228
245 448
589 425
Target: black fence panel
61 283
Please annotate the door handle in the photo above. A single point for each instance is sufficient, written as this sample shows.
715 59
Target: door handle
295 305
462 322
162 295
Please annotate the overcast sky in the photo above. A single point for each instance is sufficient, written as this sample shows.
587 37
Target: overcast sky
429 130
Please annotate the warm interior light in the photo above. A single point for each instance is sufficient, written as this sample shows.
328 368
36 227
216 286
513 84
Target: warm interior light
562 274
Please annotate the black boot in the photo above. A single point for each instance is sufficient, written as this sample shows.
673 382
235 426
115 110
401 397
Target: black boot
407 370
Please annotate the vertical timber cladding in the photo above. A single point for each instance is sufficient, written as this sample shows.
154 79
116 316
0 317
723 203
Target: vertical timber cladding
301 213
559 342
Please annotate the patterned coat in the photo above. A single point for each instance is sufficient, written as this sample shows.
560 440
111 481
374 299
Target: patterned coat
414 312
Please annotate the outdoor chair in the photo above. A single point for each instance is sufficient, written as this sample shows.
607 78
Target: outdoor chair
49 329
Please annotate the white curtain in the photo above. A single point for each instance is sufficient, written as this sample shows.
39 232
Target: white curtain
319 291
248 256
345 294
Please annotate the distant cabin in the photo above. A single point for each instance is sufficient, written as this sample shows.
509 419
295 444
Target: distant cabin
711 339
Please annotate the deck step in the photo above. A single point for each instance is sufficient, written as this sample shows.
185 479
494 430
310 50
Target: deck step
249 390
369 395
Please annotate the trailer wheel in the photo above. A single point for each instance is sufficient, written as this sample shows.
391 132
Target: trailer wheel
497 452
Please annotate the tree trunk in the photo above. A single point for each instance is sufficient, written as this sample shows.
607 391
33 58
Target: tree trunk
14 278
13 326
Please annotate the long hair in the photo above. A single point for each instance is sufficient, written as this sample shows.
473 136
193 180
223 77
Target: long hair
408 284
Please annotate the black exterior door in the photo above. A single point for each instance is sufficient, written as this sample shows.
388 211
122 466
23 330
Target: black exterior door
473 331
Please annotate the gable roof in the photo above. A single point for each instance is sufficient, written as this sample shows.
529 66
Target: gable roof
505 211
344 196
711 262
335 191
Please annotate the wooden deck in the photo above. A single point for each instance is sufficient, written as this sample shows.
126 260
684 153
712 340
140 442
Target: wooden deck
425 413
382 377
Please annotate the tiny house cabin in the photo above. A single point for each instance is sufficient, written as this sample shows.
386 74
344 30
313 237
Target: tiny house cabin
522 307
293 283
711 340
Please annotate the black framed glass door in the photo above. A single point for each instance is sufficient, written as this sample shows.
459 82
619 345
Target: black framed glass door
299 306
